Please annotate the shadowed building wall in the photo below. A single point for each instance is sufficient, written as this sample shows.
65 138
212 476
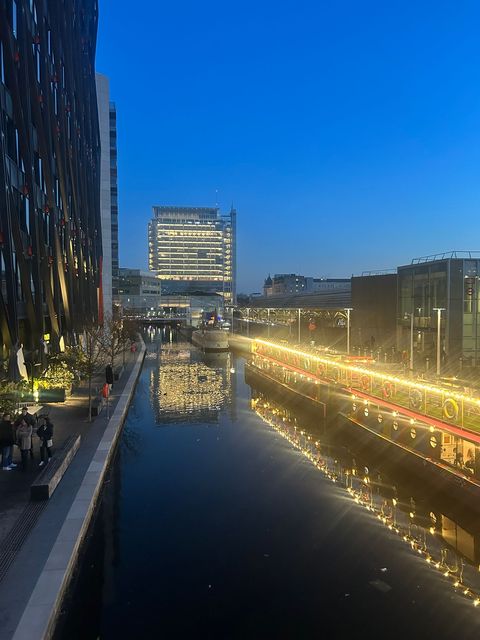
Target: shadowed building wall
374 315
50 240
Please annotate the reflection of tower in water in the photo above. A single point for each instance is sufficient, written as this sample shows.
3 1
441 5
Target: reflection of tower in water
188 386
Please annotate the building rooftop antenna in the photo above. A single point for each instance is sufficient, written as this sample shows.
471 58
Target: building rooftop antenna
216 198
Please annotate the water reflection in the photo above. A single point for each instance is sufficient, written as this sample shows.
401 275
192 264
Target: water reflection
188 386
449 543
228 533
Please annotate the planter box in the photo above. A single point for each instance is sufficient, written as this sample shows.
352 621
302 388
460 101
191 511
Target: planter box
51 395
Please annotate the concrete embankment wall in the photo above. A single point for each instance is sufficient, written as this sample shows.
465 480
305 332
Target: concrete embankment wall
40 615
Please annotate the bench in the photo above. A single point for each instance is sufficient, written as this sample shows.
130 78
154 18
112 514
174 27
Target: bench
52 473
117 372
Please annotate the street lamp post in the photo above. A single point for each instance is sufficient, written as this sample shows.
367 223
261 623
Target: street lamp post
439 319
299 328
411 342
248 322
268 322
348 309
412 317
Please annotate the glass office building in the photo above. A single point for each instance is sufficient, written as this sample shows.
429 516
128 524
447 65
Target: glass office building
192 249
446 281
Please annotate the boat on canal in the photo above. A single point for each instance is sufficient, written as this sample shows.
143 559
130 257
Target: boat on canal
431 429
210 339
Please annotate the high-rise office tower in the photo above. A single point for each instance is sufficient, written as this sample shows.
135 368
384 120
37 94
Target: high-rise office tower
114 203
107 117
193 249
50 243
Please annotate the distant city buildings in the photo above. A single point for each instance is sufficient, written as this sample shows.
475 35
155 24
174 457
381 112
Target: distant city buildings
193 249
429 308
50 231
292 283
108 194
139 291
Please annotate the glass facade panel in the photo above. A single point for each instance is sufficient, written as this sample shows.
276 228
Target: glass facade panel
449 283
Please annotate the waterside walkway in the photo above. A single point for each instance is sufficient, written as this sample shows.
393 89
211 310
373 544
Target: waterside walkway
42 539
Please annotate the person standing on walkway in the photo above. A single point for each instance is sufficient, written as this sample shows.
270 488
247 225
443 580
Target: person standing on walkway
45 433
6 442
29 419
24 441
109 375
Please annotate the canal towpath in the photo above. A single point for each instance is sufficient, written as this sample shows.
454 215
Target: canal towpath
29 532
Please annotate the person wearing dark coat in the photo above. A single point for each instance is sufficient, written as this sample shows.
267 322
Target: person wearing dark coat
24 441
7 440
45 433
30 420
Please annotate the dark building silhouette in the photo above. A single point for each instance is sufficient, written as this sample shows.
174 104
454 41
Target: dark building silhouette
374 315
50 240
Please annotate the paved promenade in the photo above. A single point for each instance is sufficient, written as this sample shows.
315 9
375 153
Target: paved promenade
40 537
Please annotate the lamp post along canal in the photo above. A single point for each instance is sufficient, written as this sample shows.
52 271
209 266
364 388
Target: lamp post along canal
348 309
412 319
439 322
299 328
411 342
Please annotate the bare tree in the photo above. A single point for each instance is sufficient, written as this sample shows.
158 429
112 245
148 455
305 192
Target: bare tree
91 358
116 338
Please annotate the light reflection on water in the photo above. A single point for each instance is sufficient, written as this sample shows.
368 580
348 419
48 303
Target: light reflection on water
188 387
221 532
446 544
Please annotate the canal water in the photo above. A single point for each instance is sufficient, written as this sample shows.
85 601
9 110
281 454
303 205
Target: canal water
220 518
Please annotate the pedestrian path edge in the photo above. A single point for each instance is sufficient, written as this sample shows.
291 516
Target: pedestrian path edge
39 617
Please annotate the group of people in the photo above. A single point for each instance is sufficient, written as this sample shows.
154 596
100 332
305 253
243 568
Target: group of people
20 433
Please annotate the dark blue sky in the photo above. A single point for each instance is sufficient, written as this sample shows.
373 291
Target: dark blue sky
346 133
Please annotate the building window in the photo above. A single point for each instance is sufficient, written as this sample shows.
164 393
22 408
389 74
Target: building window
14 19
2 64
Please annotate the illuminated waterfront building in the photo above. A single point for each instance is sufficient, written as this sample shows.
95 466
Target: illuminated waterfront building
193 249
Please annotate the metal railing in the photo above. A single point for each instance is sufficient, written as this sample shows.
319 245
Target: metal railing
447 255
